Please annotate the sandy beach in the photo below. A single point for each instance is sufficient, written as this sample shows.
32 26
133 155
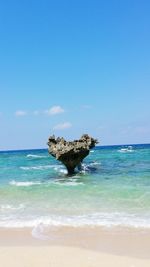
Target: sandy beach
86 247
64 257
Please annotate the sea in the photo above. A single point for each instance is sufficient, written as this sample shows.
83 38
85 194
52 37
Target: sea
112 189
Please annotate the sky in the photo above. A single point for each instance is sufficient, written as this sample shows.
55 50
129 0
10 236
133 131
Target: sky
69 67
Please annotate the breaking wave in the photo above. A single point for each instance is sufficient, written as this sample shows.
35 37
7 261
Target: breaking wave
91 167
97 219
27 183
35 156
128 149
9 207
40 167
68 182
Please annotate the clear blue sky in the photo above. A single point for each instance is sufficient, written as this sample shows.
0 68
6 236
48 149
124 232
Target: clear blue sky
72 67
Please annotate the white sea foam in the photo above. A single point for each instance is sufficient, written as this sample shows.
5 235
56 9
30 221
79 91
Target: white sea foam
63 171
27 183
9 207
69 182
97 219
39 232
39 167
95 163
128 149
35 156
90 167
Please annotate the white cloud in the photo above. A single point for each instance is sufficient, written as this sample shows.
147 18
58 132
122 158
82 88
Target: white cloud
20 113
54 110
50 112
62 126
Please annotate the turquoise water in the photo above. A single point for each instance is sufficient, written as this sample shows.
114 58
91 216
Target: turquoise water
112 189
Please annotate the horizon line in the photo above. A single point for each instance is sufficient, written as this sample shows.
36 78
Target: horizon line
27 149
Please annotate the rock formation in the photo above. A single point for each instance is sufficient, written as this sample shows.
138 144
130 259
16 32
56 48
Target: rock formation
71 154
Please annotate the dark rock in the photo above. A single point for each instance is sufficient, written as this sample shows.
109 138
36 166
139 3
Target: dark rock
71 154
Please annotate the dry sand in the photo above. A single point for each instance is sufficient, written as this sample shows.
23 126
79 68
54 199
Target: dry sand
69 247
61 256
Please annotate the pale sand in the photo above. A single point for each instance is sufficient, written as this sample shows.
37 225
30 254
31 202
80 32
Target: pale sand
52 256
75 247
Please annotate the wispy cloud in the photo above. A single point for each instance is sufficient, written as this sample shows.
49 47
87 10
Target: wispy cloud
62 126
54 110
20 113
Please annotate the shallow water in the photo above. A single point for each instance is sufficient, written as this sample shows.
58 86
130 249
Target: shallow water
113 189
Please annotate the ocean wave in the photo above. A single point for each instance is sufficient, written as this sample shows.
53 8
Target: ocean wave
128 149
40 167
68 182
61 182
27 183
9 207
64 171
42 229
35 156
91 167
89 220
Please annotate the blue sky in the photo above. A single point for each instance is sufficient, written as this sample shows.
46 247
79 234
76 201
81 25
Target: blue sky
73 67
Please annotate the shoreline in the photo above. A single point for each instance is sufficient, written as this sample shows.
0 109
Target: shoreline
75 247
